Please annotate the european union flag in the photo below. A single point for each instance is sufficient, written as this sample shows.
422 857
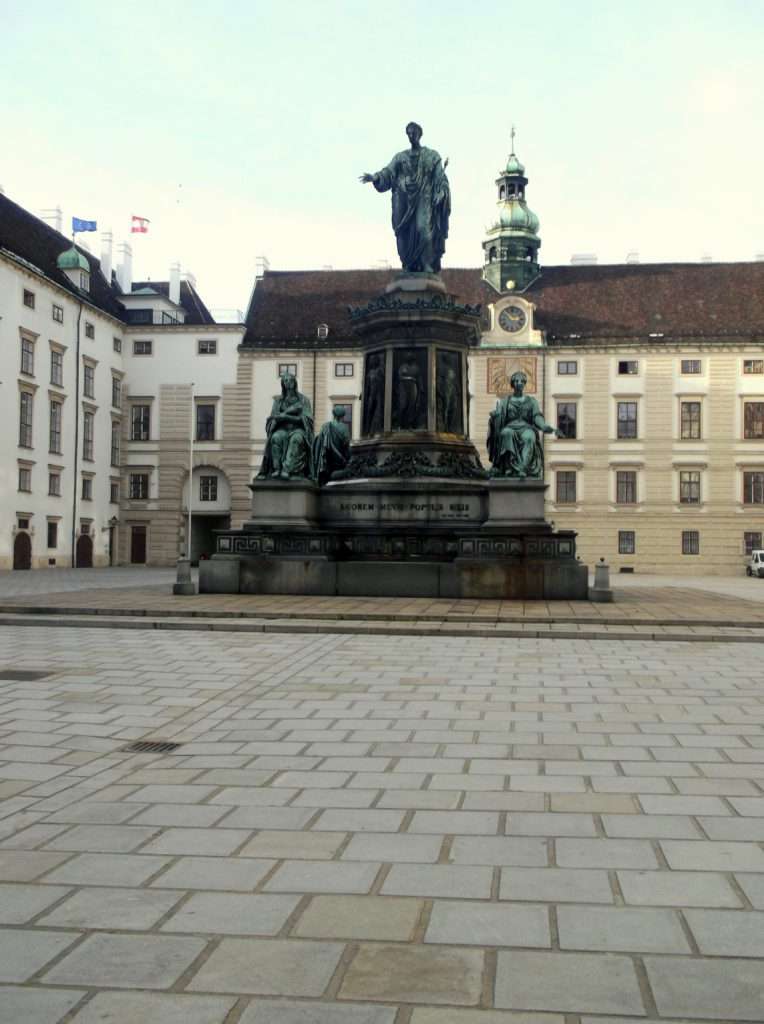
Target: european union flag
83 225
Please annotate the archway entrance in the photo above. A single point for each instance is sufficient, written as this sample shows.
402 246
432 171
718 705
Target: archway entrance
84 551
22 551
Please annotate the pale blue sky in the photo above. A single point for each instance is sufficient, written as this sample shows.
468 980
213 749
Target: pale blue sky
639 124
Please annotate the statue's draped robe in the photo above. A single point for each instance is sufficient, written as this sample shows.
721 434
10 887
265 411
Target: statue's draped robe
514 441
331 449
294 440
421 206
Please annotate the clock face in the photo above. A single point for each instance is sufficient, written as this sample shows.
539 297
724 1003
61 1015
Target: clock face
512 319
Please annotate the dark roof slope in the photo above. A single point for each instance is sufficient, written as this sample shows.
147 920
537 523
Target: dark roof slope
196 311
39 244
602 301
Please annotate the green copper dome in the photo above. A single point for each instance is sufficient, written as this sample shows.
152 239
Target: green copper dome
513 165
516 216
72 259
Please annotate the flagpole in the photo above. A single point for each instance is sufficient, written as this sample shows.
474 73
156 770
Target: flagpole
190 474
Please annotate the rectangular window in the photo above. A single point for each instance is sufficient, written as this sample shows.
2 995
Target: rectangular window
87 488
566 420
116 392
348 418
140 423
205 423
54 485
343 369
208 488
690 542
287 368
54 439
566 486
628 366
142 348
689 366
25 419
751 542
753 421
88 386
627 542
626 487
58 313
28 299
114 492
52 535
57 367
88 433
89 330
25 478
753 488
139 486
116 344
689 487
753 366
690 421
115 430
208 348
567 367
627 420
27 357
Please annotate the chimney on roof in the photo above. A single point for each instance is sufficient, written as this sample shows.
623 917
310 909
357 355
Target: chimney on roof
53 217
125 267
261 265
327 266
174 292
759 257
632 257
188 276
583 259
706 258
106 248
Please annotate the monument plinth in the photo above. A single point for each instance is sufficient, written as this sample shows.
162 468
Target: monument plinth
408 509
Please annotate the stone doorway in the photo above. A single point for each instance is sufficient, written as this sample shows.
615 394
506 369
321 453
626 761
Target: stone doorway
22 551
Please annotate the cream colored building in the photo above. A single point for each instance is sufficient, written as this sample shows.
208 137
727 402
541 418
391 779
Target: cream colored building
654 373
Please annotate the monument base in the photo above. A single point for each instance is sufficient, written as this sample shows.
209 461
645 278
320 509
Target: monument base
398 537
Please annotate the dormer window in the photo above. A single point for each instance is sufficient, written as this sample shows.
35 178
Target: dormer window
84 281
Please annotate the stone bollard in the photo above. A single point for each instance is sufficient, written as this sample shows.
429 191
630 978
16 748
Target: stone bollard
184 585
601 591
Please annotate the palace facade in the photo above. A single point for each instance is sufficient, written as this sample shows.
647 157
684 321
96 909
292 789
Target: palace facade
653 373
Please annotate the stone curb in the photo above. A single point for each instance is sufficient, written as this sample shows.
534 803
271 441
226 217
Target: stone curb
392 617
360 628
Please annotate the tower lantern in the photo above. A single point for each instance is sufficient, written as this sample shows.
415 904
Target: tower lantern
511 246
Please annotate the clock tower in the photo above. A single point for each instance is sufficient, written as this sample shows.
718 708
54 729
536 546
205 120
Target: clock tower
511 246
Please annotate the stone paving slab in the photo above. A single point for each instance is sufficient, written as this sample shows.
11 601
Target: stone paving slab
344 834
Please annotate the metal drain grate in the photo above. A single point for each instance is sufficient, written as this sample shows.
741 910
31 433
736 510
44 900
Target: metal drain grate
23 675
151 747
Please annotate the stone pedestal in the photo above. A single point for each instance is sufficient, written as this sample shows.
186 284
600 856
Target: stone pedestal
511 502
283 503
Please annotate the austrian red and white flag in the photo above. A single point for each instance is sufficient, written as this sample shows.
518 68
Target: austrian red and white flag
140 225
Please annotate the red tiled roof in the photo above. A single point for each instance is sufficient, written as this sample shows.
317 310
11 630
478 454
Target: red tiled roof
675 300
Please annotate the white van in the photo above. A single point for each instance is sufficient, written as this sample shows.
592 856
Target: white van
756 566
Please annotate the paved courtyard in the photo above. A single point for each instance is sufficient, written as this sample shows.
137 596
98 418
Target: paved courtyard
379 830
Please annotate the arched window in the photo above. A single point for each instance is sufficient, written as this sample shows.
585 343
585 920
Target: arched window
501 192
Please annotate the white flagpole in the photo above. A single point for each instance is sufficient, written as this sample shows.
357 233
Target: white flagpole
190 475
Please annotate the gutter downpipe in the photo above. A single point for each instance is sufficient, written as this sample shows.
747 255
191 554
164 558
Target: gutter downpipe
76 439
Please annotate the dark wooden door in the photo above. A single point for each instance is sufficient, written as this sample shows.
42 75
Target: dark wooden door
22 551
138 545
84 551
112 535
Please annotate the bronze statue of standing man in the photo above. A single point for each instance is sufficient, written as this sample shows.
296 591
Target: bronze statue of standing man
421 203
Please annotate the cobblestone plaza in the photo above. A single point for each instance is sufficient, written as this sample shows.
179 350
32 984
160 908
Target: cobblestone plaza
379 829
